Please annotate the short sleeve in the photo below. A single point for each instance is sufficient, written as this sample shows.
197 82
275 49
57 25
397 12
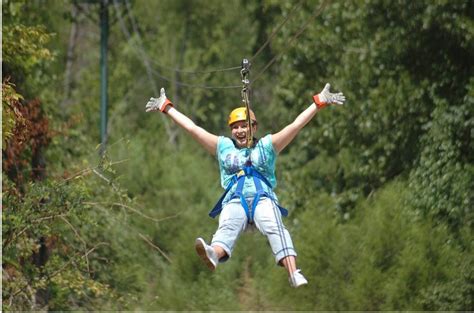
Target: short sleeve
223 143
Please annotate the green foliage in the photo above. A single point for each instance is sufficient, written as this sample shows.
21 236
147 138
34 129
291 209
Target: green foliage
43 252
455 294
442 184
393 89
385 259
379 190
24 46
9 114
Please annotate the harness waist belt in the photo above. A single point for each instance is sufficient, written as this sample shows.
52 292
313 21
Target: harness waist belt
239 179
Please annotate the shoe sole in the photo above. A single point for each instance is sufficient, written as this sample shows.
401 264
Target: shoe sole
300 285
201 251
294 285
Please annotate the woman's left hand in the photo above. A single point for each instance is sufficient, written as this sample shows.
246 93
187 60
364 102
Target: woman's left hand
325 97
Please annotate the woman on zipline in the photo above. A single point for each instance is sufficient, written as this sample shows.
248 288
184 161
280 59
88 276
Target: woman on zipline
248 175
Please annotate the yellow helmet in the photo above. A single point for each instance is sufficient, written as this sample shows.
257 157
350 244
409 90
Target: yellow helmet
240 114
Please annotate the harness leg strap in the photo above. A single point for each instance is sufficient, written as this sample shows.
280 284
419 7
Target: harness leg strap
238 193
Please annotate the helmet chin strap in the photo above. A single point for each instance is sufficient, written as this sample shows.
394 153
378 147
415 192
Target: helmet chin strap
244 73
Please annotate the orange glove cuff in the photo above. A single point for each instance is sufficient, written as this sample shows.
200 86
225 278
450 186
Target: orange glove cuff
319 103
166 104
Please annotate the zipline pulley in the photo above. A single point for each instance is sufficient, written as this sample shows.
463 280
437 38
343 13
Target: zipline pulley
245 73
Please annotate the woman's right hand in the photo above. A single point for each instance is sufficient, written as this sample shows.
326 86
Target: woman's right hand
158 104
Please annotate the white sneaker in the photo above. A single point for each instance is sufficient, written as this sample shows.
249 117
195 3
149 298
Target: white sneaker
297 279
206 253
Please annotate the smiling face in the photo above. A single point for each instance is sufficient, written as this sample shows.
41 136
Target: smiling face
239 132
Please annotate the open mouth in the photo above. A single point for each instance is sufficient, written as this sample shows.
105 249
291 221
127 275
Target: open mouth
241 137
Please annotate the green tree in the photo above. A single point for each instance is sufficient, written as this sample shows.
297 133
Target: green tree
379 190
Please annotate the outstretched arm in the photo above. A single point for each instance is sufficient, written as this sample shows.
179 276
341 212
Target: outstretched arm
205 138
281 139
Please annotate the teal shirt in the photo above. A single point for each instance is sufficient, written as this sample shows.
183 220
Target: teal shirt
232 160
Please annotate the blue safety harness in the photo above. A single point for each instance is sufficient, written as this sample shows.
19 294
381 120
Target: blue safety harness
239 179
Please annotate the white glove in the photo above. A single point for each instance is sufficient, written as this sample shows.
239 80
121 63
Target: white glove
158 104
325 97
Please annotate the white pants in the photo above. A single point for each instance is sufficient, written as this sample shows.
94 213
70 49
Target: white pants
267 218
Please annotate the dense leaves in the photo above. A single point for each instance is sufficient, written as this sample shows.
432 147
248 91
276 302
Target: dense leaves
379 190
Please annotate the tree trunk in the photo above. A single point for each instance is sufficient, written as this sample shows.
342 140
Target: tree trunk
70 58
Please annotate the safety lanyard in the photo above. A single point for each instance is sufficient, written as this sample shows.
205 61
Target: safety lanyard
245 73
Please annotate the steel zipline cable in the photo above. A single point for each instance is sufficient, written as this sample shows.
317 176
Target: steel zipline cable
182 84
316 13
147 60
136 30
196 72
276 30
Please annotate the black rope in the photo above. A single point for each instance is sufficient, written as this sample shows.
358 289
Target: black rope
245 73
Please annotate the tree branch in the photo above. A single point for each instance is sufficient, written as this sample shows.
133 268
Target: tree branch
155 246
157 220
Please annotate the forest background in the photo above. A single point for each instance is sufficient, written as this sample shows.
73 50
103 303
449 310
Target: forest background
380 190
